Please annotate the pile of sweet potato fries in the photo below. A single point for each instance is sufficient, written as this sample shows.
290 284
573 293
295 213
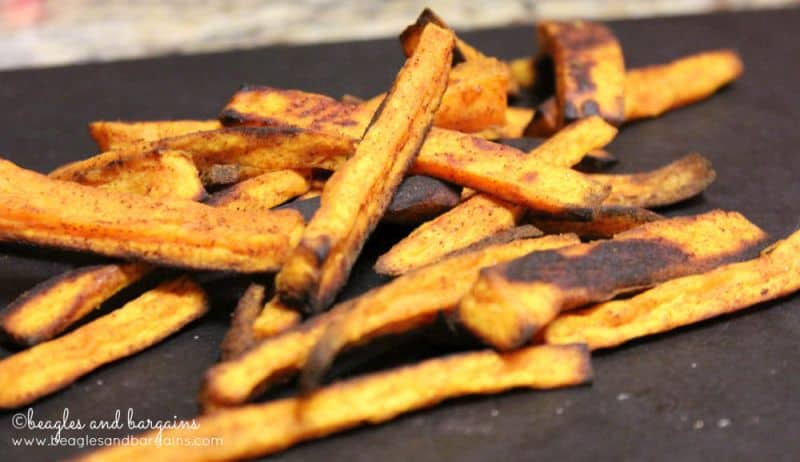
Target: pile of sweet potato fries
518 249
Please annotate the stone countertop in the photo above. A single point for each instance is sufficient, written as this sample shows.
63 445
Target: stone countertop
55 32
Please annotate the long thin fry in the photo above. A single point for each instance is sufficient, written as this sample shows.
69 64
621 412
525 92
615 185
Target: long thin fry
239 337
275 318
263 192
511 301
262 429
607 221
356 196
111 135
50 366
684 301
43 211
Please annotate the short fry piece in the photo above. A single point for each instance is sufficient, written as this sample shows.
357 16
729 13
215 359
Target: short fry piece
42 211
263 192
49 308
357 195
140 324
511 301
606 222
673 183
413 300
110 136
150 173
275 318
589 69
262 429
684 301
239 337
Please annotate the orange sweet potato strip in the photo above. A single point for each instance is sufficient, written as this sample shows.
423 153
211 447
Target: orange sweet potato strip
263 192
684 301
357 195
112 135
42 211
606 222
510 302
143 322
262 429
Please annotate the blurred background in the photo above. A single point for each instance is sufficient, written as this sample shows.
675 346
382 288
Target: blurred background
36 33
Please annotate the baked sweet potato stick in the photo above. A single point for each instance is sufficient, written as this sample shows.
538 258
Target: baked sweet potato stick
145 321
42 211
510 302
684 301
263 192
422 294
606 222
413 300
239 337
670 184
651 91
589 70
517 119
357 195
50 307
110 135
275 318
262 429
150 173
482 215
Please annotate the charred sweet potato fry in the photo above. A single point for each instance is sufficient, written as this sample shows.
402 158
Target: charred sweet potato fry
263 192
675 182
471 221
150 173
422 294
262 429
43 211
420 198
413 300
589 70
111 136
481 216
511 301
140 324
357 194
49 308
275 318
239 338
606 222
684 301
651 91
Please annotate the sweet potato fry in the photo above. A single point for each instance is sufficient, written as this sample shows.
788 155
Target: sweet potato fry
275 318
140 324
239 338
420 198
684 301
589 70
474 219
421 293
43 211
263 192
675 182
523 71
111 136
50 307
651 91
357 195
511 301
150 173
413 300
606 222
262 429
517 119
482 215
475 98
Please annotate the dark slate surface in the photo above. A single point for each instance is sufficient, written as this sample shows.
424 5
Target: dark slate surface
664 398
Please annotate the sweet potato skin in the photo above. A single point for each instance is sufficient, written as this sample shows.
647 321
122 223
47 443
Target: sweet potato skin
357 194
43 211
141 323
239 338
606 222
112 135
50 307
262 429
511 301
684 301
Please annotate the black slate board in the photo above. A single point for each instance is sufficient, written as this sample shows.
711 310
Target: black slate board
648 398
